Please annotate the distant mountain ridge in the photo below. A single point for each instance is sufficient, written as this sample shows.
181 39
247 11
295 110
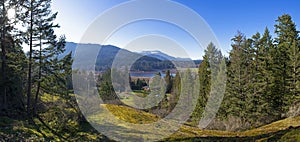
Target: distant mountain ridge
162 56
108 54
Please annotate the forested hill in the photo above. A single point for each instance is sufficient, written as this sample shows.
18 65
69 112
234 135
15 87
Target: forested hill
109 53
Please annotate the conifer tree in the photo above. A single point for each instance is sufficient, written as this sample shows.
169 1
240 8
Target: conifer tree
12 58
287 60
168 79
44 50
175 92
210 79
266 54
235 96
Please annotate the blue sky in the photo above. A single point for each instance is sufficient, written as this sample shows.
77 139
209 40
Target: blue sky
225 17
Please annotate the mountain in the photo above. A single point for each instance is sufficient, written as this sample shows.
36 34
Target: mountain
162 56
109 56
157 54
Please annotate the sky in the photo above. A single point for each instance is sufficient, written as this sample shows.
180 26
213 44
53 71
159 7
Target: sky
224 17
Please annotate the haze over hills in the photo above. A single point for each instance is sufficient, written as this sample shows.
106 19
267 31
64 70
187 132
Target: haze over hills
162 56
110 55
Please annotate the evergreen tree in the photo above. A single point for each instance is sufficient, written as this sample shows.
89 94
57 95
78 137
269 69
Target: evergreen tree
287 60
204 73
168 79
265 81
236 95
106 89
49 49
253 78
175 92
44 62
12 59
209 76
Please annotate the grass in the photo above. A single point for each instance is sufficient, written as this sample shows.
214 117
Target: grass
128 97
283 129
274 127
13 129
21 130
140 93
293 135
131 115
280 128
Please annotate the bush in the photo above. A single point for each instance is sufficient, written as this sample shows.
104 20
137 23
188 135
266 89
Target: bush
236 124
293 111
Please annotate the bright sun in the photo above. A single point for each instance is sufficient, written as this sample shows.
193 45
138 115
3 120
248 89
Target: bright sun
11 13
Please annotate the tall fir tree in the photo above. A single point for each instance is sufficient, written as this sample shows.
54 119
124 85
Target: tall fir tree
168 79
266 54
175 92
211 78
235 95
287 60
44 50
12 58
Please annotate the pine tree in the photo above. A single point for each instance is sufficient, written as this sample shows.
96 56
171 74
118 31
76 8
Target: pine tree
175 92
235 96
204 73
211 75
43 65
265 82
260 78
12 58
47 45
287 60
3 20
253 78
168 79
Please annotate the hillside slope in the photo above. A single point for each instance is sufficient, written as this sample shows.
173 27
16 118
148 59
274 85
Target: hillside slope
283 130
19 130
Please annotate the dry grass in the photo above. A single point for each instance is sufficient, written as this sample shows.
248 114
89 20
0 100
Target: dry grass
185 132
274 127
131 115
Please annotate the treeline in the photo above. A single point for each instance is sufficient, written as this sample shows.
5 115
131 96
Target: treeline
24 77
260 81
263 78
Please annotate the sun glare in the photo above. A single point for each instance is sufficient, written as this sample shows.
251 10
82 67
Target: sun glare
11 13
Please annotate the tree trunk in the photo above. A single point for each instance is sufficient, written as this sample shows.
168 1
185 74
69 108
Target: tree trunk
39 78
30 63
3 56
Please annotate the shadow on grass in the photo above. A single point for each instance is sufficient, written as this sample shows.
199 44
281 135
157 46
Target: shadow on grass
274 136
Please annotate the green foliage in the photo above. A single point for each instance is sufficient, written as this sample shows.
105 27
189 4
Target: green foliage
209 77
175 91
12 60
236 92
168 80
105 87
263 75
263 82
288 43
